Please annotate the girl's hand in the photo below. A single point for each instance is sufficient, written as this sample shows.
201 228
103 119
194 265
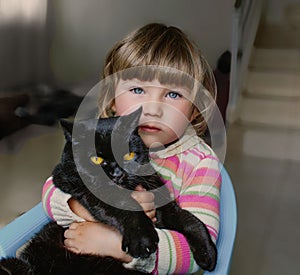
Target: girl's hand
146 200
95 238
143 197
79 210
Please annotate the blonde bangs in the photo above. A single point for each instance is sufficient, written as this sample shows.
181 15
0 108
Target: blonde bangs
165 75
166 54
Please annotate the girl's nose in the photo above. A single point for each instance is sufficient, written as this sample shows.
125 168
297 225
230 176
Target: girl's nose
153 108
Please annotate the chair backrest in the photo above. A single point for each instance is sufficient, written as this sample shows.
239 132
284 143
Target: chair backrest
22 229
228 225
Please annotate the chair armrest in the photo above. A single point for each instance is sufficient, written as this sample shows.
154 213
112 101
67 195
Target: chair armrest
22 229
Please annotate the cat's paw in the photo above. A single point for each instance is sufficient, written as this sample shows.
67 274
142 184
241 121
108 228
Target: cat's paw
140 242
205 254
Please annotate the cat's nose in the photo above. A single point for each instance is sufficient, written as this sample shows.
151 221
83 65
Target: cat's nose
117 172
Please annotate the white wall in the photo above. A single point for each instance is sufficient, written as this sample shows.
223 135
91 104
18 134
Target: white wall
72 41
23 43
84 30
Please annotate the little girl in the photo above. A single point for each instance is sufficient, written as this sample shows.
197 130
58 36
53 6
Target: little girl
187 165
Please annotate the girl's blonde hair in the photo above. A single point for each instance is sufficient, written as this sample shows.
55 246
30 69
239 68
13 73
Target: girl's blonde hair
161 47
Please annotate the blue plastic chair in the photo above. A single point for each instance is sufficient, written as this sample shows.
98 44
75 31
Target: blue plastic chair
228 225
22 229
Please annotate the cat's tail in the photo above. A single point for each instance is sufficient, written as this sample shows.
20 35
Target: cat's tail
13 266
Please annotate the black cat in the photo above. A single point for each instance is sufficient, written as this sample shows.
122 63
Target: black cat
124 169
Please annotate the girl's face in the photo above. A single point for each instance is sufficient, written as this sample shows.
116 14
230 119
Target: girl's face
167 111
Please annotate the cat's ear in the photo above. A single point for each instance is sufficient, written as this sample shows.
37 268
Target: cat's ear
131 121
68 128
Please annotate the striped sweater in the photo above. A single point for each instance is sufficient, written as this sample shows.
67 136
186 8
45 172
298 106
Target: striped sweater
190 170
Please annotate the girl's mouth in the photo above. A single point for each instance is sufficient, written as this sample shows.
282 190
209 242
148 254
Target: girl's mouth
149 128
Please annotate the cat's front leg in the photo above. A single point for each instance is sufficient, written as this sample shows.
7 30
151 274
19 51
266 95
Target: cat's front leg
171 216
140 238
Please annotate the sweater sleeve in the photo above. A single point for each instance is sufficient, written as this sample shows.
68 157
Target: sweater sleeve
199 194
55 204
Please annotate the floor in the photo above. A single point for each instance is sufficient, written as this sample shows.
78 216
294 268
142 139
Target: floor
27 158
267 193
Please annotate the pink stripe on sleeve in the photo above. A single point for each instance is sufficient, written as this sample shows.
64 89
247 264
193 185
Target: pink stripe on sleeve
208 172
212 231
47 192
183 257
47 185
189 200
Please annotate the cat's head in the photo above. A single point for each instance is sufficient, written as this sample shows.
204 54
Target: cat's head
112 144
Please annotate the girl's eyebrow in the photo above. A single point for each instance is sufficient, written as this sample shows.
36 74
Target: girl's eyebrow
130 83
148 84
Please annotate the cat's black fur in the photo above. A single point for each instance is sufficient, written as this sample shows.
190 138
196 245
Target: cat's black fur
45 254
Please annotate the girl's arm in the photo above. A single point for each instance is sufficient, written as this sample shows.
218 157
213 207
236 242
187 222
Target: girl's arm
199 193
62 208
85 235
56 205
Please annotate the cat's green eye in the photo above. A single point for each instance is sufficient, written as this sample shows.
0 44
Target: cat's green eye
129 156
97 160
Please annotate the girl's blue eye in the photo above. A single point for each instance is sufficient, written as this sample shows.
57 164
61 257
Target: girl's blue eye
137 91
174 95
